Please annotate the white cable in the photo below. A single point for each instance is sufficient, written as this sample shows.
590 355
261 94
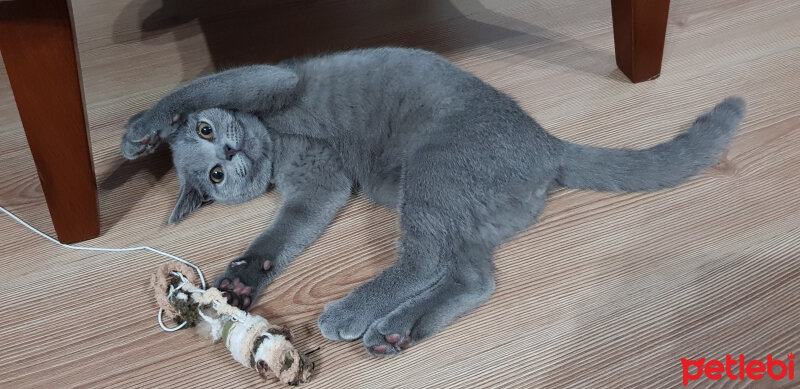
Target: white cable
146 248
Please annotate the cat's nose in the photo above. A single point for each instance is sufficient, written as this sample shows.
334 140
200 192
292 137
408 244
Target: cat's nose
230 152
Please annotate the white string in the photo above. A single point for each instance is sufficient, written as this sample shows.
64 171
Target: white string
146 248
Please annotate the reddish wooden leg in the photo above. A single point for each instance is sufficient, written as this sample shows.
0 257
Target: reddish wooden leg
39 51
639 30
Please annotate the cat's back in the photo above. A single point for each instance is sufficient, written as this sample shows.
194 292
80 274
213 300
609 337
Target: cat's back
388 60
380 75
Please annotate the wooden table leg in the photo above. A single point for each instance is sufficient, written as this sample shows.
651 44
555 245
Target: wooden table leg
38 47
639 30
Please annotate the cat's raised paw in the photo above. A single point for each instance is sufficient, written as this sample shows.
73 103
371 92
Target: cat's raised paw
135 148
144 132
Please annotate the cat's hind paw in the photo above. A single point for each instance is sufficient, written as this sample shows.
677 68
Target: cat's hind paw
381 345
342 320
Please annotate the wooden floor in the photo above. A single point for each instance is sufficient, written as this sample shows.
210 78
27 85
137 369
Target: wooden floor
608 290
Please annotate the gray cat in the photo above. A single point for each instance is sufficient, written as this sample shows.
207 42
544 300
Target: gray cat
462 163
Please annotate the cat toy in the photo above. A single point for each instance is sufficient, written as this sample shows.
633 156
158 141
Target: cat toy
251 340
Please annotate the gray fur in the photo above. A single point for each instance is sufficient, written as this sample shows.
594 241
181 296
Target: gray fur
463 164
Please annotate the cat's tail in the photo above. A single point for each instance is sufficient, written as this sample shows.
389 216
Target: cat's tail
662 166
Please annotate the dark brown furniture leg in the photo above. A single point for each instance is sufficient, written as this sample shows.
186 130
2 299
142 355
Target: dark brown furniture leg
639 30
38 47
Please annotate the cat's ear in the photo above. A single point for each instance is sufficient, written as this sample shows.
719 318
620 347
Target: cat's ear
189 200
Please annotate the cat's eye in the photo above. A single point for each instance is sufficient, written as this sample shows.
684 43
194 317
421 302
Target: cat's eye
216 175
205 131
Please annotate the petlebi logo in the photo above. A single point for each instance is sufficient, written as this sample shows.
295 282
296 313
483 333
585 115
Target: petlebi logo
738 368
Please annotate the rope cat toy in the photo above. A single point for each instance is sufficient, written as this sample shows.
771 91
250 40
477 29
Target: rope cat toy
252 340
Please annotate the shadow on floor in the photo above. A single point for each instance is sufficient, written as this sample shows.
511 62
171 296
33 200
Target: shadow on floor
242 32
108 192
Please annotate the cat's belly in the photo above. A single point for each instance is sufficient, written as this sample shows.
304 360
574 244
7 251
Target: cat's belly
383 186
375 165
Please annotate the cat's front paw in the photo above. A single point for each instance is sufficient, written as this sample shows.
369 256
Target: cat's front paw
244 280
135 148
144 133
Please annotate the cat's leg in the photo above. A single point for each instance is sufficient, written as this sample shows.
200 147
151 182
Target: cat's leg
417 269
432 208
452 217
476 220
300 221
259 88
468 283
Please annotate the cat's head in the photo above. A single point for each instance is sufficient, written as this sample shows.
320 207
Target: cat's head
220 155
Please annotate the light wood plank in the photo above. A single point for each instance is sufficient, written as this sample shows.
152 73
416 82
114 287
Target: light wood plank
607 290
